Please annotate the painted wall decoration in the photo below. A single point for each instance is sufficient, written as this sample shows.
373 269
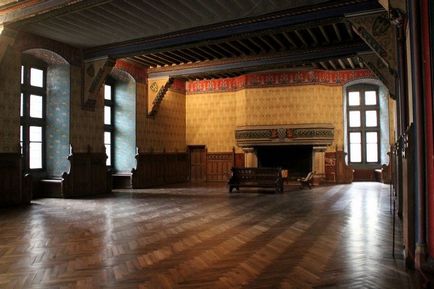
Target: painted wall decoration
87 127
139 73
261 80
308 133
58 113
212 118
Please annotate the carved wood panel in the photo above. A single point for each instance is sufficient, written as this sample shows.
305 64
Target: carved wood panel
156 169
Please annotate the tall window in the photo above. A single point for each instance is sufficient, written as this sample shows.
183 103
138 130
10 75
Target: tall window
363 124
108 121
32 112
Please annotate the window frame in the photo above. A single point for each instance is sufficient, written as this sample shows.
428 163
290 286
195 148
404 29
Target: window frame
111 127
26 121
363 129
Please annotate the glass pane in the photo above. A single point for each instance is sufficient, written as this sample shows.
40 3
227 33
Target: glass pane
371 137
371 153
107 137
35 133
371 97
355 153
371 118
22 105
21 133
36 106
107 92
107 115
353 98
355 118
36 77
22 74
355 137
35 155
108 153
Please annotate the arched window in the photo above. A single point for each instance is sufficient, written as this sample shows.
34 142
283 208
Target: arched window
363 124
109 105
33 112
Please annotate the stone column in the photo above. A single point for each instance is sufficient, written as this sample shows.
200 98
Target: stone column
318 165
250 160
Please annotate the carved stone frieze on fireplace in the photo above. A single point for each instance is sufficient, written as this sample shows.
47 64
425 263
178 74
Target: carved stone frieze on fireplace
297 134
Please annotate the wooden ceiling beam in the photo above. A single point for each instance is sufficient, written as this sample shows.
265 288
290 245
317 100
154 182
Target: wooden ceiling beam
266 43
250 50
205 52
332 64
282 46
193 36
257 45
351 63
338 34
289 39
220 55
324 34
255 63
314 38
236 48
301 38
323 65
177 56
342 64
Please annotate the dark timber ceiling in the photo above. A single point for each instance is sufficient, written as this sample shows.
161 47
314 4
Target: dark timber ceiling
206 39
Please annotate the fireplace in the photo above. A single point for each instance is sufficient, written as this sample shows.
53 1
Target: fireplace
297 159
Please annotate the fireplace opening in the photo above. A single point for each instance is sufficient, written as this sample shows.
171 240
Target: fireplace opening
297 159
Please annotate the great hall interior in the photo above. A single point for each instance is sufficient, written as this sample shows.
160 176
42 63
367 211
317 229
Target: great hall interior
216 144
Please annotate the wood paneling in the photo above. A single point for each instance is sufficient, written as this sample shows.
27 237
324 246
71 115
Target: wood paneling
155 169
218 166
336 170
88 175
367 175
14 188
198 168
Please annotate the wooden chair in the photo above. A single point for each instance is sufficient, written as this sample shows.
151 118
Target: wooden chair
307 181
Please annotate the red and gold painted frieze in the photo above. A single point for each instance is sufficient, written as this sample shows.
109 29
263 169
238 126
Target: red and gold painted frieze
138 72
260 80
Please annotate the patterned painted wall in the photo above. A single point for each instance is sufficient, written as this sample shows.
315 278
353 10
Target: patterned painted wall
57 129
212 118
165 132
125 124
87 127
296 105
10 102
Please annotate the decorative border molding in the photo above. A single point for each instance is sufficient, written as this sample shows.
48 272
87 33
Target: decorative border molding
261 80
178 85
138 72
307 134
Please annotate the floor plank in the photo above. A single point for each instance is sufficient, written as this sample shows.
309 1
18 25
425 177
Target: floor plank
202 237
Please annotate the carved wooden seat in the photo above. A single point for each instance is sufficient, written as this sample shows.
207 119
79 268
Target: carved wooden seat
306 181
256 177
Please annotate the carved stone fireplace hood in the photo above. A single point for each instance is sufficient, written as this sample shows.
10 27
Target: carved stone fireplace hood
318 134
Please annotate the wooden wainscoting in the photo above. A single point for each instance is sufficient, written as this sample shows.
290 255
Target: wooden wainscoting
336 170
218 165
14 188
88 175
155 169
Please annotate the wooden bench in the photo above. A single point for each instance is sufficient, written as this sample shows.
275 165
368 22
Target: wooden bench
306 181
256 177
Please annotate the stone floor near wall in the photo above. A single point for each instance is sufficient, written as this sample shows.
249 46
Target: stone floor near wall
202 237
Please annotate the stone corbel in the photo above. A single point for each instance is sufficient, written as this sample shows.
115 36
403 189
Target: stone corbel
377 66
379 34
7 39
95 73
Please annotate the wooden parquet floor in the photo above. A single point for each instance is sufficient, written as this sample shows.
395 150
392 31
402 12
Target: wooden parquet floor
187 237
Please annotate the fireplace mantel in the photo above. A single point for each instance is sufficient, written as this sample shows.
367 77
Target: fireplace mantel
290 134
